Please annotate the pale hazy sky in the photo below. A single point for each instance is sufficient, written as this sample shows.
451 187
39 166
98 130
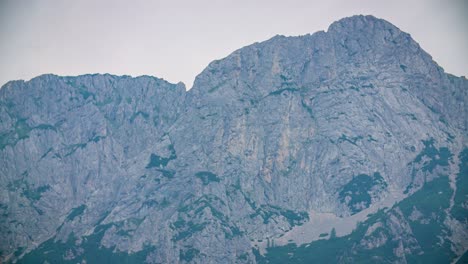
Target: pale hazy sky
176 39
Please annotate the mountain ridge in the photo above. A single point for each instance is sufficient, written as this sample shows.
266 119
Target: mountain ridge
354 17
267 140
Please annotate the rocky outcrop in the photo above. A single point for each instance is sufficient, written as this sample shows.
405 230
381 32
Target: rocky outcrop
102 168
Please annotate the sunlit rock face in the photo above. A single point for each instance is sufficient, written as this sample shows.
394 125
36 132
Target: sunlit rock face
277 152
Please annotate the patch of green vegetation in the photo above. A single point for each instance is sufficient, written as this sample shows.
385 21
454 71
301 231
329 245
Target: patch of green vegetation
436 157
97 138
49 251
333 233
434 110
291 164
157 161
308 108
75 212
442 120
188 254
27 191
354 88
243 256
85 93
269 212
150 203
232 231
124 233
188 229
136 221
463 259
352 140
207 177
53 251
82 89
72 148
280 91
429 158
155 203
321 251
284 78
429 238
46 153
20 131
4 209
434 196
36 193
165 203
450 137
3 206
460 208
208 115
196 211
19 251
16 184
167 173
323 235
201 203
6 140
430 200
45 127
370 85
295 218
356 193
410 115
9 104
60 122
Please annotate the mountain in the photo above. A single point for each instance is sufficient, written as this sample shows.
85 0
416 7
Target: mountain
348 145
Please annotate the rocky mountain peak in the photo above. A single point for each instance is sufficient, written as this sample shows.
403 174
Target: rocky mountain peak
340 146
362 23
353 44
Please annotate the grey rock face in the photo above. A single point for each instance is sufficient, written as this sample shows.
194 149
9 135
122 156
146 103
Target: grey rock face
333 122
73 141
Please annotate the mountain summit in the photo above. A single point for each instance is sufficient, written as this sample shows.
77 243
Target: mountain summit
342 146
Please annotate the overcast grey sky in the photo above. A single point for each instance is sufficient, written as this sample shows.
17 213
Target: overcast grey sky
176 39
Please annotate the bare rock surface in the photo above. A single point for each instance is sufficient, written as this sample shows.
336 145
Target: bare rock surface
352 137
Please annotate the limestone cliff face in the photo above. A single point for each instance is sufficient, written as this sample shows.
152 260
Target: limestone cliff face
73 142
275 134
